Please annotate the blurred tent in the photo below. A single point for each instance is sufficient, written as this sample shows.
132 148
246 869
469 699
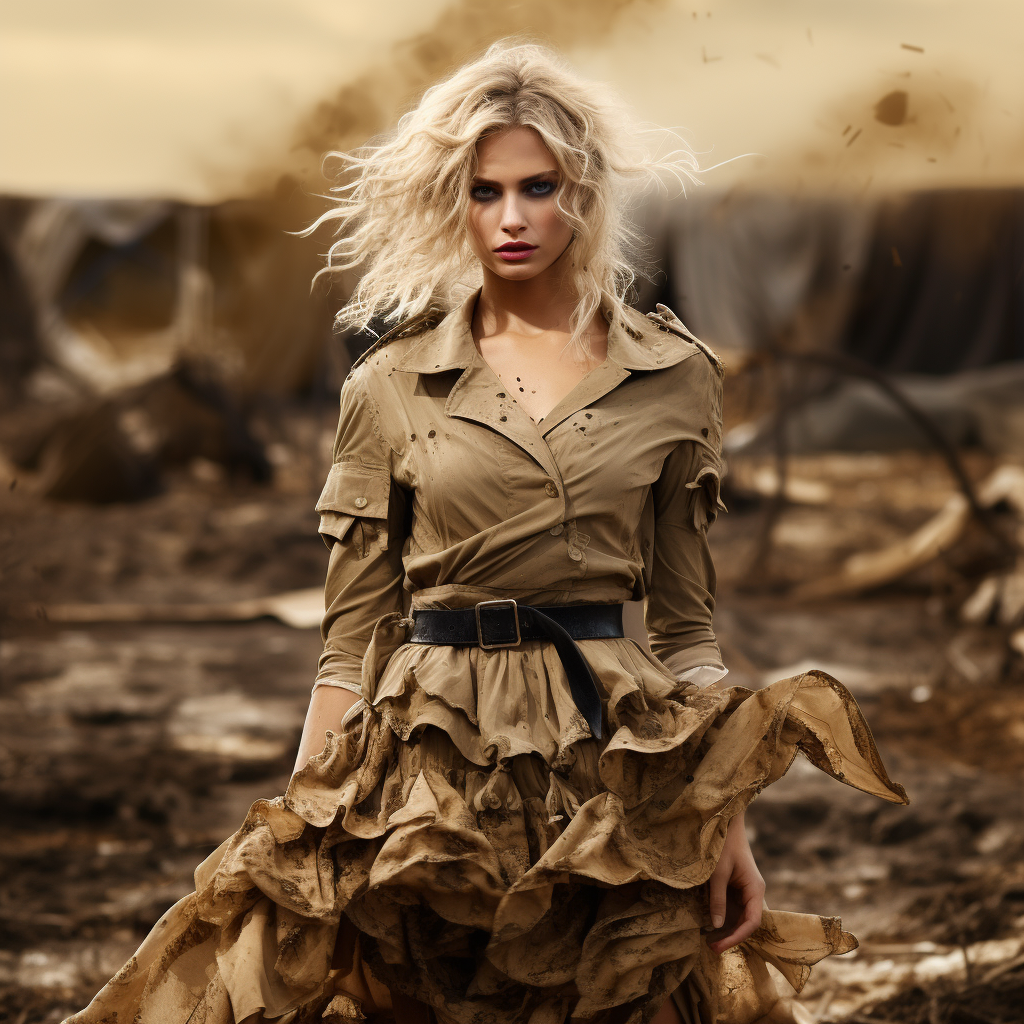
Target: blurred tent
943 287
122 290
926 281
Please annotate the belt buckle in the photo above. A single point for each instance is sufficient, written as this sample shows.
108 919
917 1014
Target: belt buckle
509 603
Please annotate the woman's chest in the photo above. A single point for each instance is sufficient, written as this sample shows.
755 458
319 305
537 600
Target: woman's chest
539 372
484 464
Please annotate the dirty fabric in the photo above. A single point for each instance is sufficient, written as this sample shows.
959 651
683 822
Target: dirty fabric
612 488
462 840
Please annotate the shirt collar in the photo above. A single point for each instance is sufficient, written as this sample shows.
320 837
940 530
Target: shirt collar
447 346
634 343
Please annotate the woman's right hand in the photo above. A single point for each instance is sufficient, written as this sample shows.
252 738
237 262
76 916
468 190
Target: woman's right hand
327 707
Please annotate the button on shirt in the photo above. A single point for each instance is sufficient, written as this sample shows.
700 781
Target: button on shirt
443 485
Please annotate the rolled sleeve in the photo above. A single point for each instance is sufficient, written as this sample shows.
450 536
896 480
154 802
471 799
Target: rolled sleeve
681 602
362 516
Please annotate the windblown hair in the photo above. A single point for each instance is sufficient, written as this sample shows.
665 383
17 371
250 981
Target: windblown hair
402 204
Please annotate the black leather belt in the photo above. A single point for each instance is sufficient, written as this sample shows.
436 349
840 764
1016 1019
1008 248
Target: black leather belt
496 624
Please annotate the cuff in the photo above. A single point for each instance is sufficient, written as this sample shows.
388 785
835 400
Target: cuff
703 675
701 655
340 684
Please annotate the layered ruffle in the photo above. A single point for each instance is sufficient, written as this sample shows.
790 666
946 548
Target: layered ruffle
463 840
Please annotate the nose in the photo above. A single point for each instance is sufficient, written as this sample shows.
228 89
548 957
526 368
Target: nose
513 219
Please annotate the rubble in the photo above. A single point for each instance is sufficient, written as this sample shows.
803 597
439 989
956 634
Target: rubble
128 750
120 447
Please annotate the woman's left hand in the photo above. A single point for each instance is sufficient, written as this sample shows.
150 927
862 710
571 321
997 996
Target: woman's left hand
737 891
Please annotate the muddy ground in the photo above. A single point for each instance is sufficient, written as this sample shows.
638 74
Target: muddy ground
128 752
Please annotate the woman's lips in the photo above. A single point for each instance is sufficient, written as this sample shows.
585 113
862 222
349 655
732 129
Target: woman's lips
514 255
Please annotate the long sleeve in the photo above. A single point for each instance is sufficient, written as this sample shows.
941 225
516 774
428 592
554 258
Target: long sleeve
682 590
362 516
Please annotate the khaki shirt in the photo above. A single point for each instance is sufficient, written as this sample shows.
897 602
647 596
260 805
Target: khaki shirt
444 487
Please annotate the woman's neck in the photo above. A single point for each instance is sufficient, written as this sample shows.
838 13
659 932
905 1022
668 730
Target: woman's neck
542 304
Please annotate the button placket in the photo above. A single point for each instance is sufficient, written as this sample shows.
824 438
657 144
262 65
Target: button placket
576 544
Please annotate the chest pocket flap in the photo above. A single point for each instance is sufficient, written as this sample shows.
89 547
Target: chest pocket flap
355 494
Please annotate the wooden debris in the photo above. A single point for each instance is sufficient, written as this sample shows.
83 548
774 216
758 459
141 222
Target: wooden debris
867 570
1017 641
300 609
1001 595
764 482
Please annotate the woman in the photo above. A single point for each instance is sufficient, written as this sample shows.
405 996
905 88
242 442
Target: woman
503 810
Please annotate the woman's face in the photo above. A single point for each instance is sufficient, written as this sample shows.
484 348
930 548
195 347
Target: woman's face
514 226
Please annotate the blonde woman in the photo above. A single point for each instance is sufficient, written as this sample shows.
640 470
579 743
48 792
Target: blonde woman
503 810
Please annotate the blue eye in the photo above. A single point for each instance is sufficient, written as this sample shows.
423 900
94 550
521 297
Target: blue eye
540 188
482 193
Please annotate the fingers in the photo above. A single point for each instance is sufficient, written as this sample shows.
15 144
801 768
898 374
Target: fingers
752 895
717 886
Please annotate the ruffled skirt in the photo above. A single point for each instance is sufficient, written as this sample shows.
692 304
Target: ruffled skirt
464 842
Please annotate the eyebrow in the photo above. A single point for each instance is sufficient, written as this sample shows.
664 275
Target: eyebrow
522 181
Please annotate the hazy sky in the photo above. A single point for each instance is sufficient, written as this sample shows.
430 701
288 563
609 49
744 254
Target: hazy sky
798 81
131 98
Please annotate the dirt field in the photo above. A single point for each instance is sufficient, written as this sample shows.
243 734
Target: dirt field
127 752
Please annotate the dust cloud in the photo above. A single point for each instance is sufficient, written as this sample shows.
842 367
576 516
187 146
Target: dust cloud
373 102
891 109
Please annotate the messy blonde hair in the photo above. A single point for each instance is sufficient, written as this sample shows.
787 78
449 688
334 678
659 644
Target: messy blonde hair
402 204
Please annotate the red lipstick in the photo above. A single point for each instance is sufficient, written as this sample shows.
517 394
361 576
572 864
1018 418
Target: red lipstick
512 252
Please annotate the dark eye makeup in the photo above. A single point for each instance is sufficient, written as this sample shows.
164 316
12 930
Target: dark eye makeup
534 189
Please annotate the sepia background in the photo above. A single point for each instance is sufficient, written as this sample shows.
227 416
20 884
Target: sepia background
168 397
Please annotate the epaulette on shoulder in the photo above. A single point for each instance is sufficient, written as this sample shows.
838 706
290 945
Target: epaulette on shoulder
665 320
406 329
